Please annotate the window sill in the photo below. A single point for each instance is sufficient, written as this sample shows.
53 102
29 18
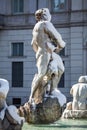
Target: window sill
17 13
17 56
59 12
17 87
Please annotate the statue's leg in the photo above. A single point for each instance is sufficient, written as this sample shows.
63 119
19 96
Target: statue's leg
34 86
36 82
42 64
75 104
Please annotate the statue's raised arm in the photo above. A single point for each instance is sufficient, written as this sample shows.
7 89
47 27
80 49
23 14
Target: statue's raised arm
54 35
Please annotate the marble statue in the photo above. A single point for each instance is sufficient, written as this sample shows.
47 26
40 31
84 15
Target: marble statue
9 118
78 107
46 101
46 42
79 93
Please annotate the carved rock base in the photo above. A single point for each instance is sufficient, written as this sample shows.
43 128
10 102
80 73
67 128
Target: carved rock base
8 123
75 114
48 111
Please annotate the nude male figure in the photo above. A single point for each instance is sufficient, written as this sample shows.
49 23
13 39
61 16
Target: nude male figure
44 33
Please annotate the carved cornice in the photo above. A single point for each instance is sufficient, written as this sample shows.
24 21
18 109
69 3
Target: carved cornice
60 20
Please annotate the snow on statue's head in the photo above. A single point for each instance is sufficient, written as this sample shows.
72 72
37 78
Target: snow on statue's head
43 14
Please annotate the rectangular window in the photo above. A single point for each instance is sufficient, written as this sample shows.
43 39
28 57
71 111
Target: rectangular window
17 49
17 6
17 74
61 82
16 102
58 5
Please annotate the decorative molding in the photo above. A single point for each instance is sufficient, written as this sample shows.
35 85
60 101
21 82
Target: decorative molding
60 19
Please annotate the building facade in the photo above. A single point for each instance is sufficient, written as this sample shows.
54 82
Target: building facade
17 58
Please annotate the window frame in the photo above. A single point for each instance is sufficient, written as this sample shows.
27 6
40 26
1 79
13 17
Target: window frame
16 101
16 50
16 73
67 6
18 7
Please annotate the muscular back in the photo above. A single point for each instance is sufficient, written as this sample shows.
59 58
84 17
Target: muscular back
40 38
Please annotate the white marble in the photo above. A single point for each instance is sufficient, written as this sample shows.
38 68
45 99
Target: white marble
47 42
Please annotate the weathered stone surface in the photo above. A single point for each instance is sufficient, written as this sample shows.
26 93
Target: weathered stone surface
79 93
76 114
14 127
9 123
10 119
77 108
5 123
46 112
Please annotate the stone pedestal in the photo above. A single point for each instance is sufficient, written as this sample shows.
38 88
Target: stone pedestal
75 114
48 111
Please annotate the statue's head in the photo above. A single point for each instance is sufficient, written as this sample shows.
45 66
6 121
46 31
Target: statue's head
82 79
43 14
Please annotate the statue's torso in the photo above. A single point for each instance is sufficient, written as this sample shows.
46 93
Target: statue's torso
40 36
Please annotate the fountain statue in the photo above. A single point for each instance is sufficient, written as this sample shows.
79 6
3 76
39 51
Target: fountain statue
46 42
45 101
78 107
